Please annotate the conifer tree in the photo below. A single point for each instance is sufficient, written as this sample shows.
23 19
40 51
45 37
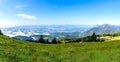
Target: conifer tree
47 41
41 40
54 41
1 32
93 37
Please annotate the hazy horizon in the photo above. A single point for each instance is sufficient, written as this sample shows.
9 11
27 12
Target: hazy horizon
59 12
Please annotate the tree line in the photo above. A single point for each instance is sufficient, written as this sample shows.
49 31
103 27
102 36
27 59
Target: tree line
91 38
42 40
114 34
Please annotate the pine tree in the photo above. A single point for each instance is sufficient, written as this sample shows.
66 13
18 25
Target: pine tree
54 41
93 37
41 40
47 41
1 32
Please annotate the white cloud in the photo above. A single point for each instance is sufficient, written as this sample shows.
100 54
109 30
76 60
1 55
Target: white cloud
20 6
26 16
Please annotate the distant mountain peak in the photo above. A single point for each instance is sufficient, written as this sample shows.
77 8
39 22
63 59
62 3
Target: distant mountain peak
103 29
106 25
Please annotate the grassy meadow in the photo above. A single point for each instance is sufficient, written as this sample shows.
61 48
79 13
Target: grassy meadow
12 50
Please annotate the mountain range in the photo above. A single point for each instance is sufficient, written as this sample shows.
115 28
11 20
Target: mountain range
49 31
32 33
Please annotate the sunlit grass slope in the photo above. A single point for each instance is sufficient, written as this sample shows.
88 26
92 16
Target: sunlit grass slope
12 50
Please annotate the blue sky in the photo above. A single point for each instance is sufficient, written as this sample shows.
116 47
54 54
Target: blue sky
59 12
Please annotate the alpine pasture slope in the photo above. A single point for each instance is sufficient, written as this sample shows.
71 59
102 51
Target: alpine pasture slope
12 50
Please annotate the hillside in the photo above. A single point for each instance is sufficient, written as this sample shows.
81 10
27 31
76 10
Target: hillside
103 29
12 50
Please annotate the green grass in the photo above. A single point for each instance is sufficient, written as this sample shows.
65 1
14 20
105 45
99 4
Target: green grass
12 50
